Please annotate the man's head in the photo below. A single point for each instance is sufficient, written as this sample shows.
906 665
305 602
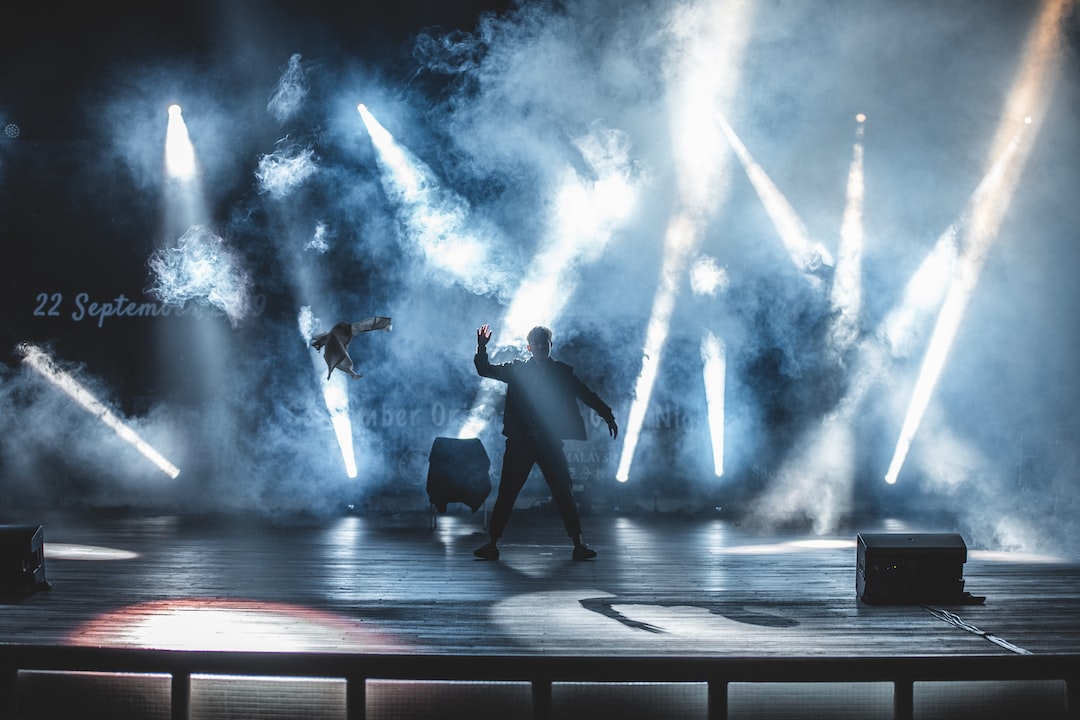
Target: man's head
540 341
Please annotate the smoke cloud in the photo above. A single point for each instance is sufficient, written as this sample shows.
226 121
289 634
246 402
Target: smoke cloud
546 144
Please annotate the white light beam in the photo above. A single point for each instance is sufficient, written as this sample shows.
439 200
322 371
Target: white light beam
41 363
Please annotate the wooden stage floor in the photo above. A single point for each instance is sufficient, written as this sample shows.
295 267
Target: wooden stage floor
663 584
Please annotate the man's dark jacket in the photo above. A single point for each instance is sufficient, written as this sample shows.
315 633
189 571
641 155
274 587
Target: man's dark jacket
541 397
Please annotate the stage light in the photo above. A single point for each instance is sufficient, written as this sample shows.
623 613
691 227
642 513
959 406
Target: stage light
179 153
977 240
41 363
818 476
714 359
927 287
1032 88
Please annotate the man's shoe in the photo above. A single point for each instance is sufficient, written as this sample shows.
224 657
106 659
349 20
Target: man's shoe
584 552
488 552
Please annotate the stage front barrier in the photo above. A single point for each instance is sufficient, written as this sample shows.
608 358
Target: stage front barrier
543 687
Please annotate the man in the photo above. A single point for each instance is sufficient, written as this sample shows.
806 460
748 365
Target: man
541 411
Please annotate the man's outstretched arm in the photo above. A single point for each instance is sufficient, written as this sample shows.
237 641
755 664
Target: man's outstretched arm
590 398
483 365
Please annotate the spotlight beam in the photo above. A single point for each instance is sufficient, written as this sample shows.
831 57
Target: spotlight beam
586 216
817 477
43 365
807 255
846 292
680 241
435 222
1030 94
714 359
185 205
335 395
978 240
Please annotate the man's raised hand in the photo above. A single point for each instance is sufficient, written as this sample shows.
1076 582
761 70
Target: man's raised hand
483 335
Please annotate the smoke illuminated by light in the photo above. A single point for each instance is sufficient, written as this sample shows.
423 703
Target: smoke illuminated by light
1032 89
807 255
179 154
291 91
435 223
44 366
335 394
631 175
703 79
201 269
706 277
678 243
281 172
713 356
927 287
587 213
846 293
923 293
818 476
978 239
318 241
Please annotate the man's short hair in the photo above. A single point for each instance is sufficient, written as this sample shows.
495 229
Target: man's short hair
537 333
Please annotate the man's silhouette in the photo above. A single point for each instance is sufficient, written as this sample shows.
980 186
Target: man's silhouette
541 411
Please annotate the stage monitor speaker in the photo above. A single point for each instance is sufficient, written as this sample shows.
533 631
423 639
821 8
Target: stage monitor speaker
907 568
458 471
22 558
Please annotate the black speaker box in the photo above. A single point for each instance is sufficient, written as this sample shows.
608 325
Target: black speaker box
22 558
904 568
458 471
